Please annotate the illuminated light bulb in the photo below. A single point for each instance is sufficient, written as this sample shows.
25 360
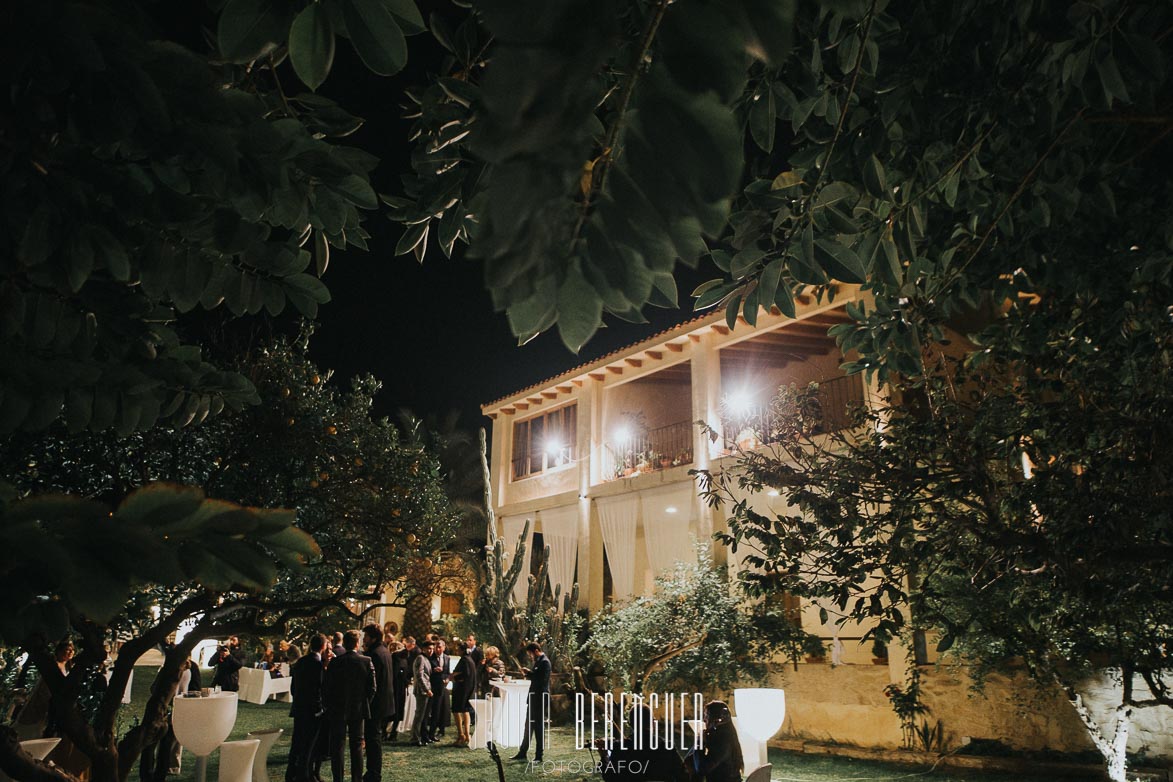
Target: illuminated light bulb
740 402
670 509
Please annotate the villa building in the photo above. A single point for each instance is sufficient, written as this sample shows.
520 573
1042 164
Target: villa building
596 461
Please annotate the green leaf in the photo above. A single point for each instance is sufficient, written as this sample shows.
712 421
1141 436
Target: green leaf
840 262
321 252
745 261
408 15
731 309
786 179
664 293
248 29
580 310
311 45
1112 82
784 301
376 35
762 121
874 179
768 282
357 190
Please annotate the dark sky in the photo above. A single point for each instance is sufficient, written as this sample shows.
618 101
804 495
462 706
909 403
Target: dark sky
429 332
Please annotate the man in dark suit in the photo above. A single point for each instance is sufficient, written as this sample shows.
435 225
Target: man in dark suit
382 705
347 689
227 676
306 690
339 650
539 698
441 699
477 656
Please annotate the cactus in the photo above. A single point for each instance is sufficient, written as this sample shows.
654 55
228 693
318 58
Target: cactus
550 620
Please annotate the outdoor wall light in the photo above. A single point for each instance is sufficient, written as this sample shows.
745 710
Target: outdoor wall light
760 713
622 434
772 493
553 447
670 509
739 402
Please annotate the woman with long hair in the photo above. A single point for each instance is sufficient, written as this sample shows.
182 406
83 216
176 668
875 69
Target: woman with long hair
720 760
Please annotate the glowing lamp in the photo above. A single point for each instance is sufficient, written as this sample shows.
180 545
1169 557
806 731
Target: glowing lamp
553 447
670 509
772 493
622 434
739 403
760 713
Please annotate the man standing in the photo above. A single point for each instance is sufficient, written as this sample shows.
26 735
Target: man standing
227 676
306 691
441 699
347 689
339 650
539 696
382 705
421 687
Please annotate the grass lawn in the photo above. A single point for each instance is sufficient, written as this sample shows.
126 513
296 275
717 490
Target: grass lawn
454 764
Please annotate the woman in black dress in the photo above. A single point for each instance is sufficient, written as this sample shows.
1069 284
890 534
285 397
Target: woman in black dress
464 684
720 760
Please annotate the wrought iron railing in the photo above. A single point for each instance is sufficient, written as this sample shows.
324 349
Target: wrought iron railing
649 450
827 409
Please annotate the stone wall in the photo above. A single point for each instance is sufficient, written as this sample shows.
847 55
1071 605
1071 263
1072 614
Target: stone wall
846 704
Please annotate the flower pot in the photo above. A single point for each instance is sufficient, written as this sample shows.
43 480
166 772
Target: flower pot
665 464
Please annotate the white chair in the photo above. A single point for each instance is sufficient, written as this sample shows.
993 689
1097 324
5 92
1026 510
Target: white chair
267 739
760 774
236 760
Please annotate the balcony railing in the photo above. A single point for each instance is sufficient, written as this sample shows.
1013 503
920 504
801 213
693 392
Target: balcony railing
650 449
826 410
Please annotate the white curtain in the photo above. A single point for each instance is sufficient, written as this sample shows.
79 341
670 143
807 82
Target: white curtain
617 517
512 527
560 533
667 515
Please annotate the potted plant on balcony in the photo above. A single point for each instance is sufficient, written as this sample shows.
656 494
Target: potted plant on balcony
645 461
684 457
813 648
666 461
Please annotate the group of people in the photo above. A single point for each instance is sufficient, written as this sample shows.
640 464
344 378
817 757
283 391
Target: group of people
350 702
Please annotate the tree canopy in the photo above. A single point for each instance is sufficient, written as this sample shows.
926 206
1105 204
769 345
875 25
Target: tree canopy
1015 503
926 151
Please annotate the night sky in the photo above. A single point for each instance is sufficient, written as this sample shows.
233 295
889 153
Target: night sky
429 332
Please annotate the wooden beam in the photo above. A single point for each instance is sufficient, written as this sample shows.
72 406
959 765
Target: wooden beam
615 370
550 394
534 400
675 347
565 389
492 416
775 338
695 337
722 330
508 410
577 383
521 405
655 355
634 362
598 376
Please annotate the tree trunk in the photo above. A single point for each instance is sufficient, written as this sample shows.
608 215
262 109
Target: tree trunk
418 613
1114 751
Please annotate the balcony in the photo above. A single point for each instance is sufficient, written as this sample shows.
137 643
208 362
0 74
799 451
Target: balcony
642 450
825 410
